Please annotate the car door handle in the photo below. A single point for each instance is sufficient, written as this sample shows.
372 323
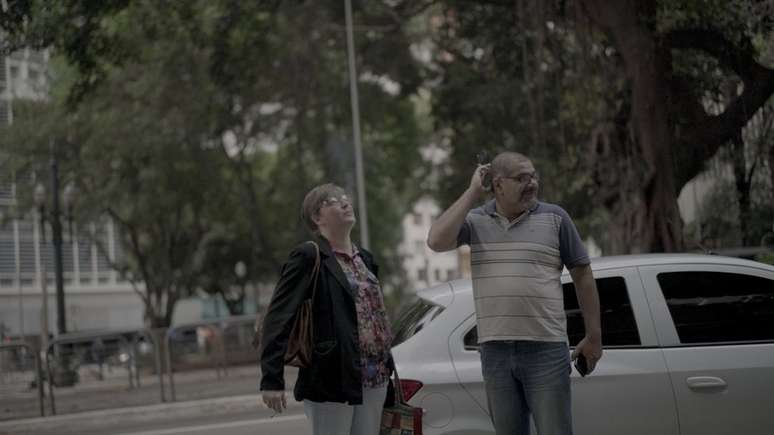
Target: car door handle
703 382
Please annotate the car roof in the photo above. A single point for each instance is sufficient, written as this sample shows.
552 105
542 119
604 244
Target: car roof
444 293
615 261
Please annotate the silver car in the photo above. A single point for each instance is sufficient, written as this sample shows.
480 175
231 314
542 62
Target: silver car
689 350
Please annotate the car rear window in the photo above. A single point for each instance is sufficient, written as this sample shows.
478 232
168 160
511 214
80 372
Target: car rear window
413 318
618 325
619 329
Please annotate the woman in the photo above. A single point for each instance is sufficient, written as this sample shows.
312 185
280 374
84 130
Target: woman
344 389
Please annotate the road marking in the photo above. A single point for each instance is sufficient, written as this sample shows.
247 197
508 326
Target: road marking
209 427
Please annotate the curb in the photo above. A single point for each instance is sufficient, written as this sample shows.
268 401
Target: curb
101 418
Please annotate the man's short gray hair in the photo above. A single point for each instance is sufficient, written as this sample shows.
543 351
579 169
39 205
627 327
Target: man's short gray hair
503 163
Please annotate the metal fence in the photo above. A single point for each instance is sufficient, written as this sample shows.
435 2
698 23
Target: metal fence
115 369
21 392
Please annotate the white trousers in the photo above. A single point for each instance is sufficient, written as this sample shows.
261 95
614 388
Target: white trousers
332 418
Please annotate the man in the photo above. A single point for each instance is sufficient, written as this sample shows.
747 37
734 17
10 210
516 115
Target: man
518 248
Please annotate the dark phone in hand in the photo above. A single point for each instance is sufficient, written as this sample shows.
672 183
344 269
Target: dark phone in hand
580 365
483 159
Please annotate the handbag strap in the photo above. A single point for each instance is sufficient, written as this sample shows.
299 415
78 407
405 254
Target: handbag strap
315 270
396 384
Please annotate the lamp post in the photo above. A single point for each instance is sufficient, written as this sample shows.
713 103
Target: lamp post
63 374
40 201
56 230
354 101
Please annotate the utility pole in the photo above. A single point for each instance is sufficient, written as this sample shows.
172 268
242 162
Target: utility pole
40 262
361 196
56 230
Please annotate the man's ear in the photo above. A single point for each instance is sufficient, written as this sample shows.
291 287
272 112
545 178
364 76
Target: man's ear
496 184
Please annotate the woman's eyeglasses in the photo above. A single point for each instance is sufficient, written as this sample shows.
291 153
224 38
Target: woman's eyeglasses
336 200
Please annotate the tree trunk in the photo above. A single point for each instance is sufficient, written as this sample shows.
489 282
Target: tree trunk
743 185
152 319
651 221
235 305
771 183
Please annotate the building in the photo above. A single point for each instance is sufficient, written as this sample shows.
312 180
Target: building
95 295
424 267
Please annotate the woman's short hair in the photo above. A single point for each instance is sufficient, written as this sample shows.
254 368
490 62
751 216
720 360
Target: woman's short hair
313 201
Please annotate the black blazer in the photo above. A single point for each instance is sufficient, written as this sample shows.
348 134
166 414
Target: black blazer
335 374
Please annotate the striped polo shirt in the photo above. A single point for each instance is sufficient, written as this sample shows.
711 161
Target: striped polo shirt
517 268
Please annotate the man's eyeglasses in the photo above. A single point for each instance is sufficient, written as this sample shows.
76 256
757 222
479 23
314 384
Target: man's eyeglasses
525 177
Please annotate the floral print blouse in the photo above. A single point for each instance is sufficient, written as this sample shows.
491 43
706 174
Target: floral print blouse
375 337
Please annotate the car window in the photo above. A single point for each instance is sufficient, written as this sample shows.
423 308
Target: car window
618 325
470 341
413 318
715 307
616 314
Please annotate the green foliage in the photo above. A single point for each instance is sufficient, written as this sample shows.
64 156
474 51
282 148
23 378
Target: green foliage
540 78
736 18
509 81
719 217
765 258
199 126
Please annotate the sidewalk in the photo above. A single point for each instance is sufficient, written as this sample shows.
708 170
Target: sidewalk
94 420
87 405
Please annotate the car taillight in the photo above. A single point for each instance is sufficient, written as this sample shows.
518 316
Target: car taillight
409 387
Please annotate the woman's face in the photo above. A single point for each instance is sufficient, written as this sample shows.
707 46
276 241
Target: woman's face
336 212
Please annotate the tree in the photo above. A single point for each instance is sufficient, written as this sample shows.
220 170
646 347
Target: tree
284 117
633 74
668 126
161 188
505 77
237 83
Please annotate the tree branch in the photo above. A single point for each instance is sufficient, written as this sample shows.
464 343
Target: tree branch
740 59
141 260
502 3
708 133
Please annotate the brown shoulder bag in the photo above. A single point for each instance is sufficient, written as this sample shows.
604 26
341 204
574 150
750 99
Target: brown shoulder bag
301 340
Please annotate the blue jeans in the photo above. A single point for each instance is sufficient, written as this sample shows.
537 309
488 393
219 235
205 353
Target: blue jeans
528 377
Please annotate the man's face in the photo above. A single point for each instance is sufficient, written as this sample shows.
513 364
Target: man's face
518 189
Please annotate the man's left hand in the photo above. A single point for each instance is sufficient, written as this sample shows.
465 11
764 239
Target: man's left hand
591 349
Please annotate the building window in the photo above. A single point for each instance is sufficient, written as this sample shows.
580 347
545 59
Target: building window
422 274
33 75
417 218
437 274
419 246
451 274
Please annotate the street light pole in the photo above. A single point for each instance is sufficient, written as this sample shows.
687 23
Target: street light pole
40 202
361 196
17 270
56 230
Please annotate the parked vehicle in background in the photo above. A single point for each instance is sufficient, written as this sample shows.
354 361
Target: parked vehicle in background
688 339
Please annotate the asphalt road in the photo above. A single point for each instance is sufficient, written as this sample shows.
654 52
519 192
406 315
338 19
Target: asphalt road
258 422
